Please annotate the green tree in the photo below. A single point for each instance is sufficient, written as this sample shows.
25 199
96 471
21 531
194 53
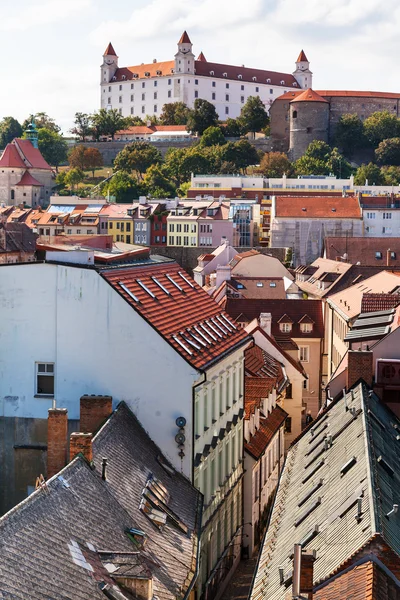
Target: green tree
391 175
371 173
381 126
180 163
124 187
83 127
107 122
212 136
9 129
138 157
52 146
157 184
242 154
253 116
132 121
319 150
349 134
338 165
151 120
275 164
232 128
307 165
73 177
388 152
174 113
203 115
183 189
42 121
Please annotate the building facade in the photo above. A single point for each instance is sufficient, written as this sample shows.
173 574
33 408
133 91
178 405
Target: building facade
144 89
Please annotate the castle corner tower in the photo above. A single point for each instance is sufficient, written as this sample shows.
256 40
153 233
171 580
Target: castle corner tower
184 58
110 64
302 74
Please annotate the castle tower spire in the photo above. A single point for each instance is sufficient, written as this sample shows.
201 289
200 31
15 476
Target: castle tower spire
110 64
184 58
302 74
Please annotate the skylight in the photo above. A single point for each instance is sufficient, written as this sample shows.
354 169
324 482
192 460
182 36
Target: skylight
185 279
307 512
174 282
347 466
160 285
229 322
182 345
123 286
146 289
315 469
308 495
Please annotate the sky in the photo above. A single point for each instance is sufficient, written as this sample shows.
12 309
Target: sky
52 49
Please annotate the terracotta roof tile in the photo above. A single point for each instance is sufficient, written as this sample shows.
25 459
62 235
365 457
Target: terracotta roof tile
110 50
28 179
166 68
302 57
258 363
269 426
32 154
363 250
11 158
380 301
201 57
247 74
318 207
342 94
179 309
309 96
184 39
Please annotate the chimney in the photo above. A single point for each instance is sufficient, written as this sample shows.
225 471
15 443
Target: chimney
388 257
303 572
81 443
57 435
94 411
223 274
266 322
360 366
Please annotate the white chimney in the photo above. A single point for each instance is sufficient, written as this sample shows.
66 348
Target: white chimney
266 322
223 273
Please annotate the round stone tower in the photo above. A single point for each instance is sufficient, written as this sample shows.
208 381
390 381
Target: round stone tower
308 121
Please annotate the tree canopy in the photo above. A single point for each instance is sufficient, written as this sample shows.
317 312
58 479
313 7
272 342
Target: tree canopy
107 123
174 113
42 121
275 164
388 152
371 173
9 129
123 187
52 146
138 156
202 116
381 126
349 134
212 136
253 116
83 126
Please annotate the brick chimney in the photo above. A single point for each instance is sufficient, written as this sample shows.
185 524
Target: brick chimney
303 572
360 366
388 257
94 410
266 322
81 443
57 436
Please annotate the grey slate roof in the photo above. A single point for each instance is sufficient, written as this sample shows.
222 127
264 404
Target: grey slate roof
316 503
54 545
18 238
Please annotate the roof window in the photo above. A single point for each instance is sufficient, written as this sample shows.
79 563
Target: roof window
147 74
308 495
254 78
146 289
240 76
178 287
314 470
259 284
307 512
127 291
282 82
378 255
268 80
309 536
385 465
272 284
347 466
185 279
160 285
224 74
211 72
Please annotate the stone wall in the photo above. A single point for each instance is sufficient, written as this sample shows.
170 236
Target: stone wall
109 150
187 257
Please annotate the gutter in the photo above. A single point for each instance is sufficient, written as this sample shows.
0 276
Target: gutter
197 568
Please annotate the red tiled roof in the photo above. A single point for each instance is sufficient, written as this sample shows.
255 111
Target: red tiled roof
285 355
136 130
32 154
366 581
302 57
27 179
260 364
363 250
247 74
184 39
166 68
359 94
110 50
11 158
256 388
318 207
201 57
179 309
376 302
293 310
269 426
309 96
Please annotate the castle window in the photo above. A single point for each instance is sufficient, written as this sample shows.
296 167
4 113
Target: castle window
271 91
143 84
131 110
109 88
242 99
196 94
294 114
213 84
227 86
155 84
196 82
155 95
169 81
143 96
257 89
213 96
120 99
242 88
309 129
226 97
169 94
120 87
227 110
131 97
155 108
109 100
131 86
143 109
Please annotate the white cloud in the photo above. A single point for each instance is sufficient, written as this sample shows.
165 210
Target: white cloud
38 15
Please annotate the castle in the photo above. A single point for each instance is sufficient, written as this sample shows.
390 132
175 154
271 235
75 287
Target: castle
144 89
300 117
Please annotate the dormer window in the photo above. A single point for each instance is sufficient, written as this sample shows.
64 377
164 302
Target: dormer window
285 327
268 81
147 74
282 82
114 78
123 77
254 78
224 74
306 327
240 76
159 72
294 84
211 72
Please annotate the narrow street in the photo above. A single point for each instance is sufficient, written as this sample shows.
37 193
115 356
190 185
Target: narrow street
239 586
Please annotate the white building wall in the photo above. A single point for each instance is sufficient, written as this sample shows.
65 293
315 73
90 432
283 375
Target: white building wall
127 96
381 222
105 347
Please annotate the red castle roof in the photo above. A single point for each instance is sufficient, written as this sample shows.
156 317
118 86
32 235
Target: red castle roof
27 179
309 96
185 39
110 50
302 57
11 158
201 57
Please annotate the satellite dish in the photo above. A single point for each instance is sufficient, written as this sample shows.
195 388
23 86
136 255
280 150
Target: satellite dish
180 438
181 421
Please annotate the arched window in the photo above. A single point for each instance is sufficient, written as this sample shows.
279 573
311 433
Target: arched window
294 114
